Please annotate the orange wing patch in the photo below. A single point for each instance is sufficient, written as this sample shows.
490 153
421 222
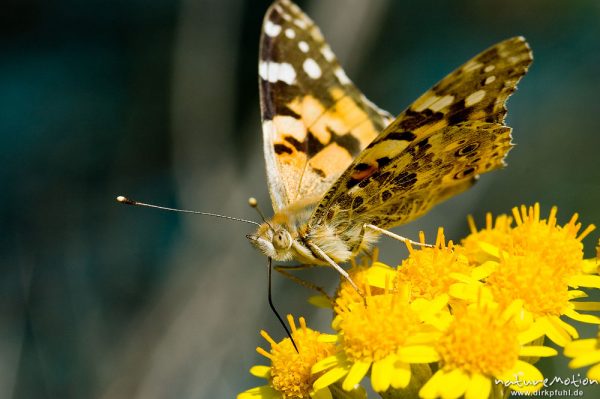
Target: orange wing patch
315 121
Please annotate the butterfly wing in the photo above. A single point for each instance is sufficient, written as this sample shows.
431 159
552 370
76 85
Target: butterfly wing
434 149
315 121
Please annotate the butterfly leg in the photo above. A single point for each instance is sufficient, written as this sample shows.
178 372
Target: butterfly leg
394 236
285 271
337 267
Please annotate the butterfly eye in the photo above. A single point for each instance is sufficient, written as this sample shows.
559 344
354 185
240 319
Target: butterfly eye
282 239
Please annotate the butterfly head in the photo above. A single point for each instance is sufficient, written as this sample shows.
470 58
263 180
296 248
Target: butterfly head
274 240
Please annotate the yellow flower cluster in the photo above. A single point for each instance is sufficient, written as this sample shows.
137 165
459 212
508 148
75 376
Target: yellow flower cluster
451 320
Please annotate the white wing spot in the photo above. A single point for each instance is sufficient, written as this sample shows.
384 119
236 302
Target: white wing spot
289 33
472 66
474 98
273 72
442 103
286 73
300 23
489 79
513 59
272 29
489 68
262 69
311 68
327 53
341 75
303 46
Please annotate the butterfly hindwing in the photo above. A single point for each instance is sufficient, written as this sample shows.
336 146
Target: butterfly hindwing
315 121
434 149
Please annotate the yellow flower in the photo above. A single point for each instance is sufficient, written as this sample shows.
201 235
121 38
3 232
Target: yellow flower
383 336
290 372
363 275
537 265
495 234
430 271
585 352
476 314
558 245
479 352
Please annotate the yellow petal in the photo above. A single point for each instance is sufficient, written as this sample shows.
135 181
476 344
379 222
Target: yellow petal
586 306
523 377
454 384
579 347
574 294
355 375
558 335
327 363
260 371
263 392
584 318
594 373
489 249
590 265
401 374
431 389
467 292
381 374
572 331
338 393
418 354
330 338
484 270
320 301
585 359
513 310
537 351
534 332
380 274
589 281
331 376
479 387
461 278
428 309
324 393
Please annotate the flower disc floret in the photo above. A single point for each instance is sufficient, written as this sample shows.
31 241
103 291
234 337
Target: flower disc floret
372 332
429 270
479 341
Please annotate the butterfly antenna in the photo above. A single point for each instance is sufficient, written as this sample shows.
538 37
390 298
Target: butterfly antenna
270 298
254 204
125 200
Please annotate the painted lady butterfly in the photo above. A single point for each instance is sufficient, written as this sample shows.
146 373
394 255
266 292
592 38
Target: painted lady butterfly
340 170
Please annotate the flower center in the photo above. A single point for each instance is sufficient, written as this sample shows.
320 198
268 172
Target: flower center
428 271
557 245
290 370
539 284
377 330
479 341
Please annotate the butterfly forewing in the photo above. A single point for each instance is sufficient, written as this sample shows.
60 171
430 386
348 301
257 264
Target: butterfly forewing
315 121
433 150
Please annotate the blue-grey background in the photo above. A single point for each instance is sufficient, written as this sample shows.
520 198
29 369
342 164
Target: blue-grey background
157 99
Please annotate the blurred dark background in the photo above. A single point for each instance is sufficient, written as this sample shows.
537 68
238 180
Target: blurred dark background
157 99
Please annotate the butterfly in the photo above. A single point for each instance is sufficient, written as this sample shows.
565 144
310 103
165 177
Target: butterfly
341 171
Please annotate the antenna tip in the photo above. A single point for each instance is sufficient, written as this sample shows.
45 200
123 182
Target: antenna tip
252 202
124 200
